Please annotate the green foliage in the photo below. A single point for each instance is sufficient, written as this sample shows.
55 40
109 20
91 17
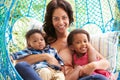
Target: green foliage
117 20
119 40
117 13
19 30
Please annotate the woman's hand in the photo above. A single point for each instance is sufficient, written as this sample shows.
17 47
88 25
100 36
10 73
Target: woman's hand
89 68
81 71
52 60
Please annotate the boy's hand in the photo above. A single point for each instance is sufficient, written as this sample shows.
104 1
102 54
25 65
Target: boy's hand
12 60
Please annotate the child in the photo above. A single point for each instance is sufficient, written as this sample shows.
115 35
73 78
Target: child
36 45
79 42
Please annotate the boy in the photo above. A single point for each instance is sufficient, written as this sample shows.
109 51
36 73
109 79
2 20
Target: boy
36 45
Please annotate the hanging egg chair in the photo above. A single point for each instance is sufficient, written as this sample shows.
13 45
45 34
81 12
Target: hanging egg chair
18 16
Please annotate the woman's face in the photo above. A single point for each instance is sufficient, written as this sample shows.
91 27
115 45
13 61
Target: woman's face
60 20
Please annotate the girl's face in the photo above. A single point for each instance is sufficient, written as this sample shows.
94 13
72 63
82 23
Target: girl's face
36 41
80 42
60 20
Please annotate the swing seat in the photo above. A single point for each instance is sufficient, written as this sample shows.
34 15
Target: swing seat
98 17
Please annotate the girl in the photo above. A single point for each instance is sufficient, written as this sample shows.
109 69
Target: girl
79 42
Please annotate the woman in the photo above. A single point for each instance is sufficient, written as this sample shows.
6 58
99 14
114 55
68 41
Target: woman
58 18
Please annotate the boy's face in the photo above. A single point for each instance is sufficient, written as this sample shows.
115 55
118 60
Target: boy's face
80 42
37 41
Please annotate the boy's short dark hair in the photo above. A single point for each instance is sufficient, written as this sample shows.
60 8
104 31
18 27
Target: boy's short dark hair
32 31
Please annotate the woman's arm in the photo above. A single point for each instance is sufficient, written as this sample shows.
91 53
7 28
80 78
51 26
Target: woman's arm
31 59
96 61
73 74
70 73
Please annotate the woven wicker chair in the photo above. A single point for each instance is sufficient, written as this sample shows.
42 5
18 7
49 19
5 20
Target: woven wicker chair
16 16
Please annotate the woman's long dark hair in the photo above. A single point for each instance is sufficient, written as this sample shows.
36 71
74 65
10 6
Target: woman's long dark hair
48 25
